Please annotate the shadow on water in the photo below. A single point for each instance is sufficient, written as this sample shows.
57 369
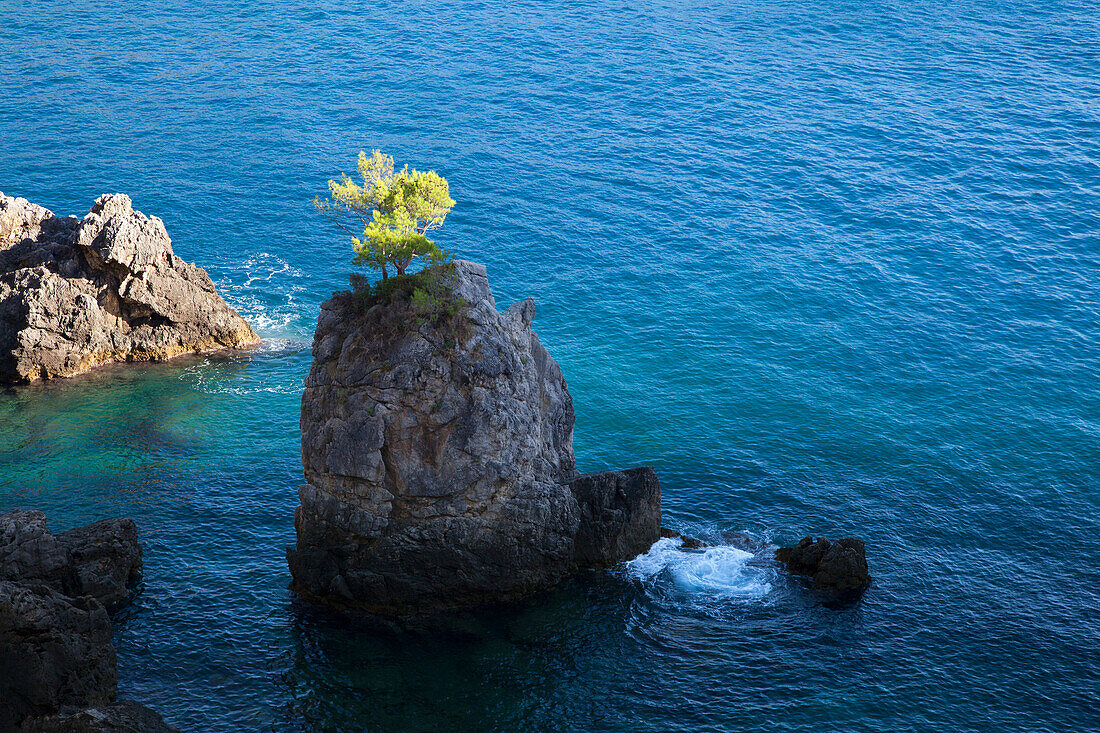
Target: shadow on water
592 650
497 667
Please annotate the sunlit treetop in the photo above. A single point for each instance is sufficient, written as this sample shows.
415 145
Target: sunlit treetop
395 208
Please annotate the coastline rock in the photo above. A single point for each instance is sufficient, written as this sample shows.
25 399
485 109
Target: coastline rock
686 543
123 716
54 651
837 567
439 462
105 556
75 294
57 660
98 560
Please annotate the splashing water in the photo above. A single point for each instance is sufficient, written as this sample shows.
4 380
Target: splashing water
721 572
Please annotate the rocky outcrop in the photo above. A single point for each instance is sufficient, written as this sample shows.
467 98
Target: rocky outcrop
57 662
439 465
77 293
686 543
620 516
99 560
54 650
836 567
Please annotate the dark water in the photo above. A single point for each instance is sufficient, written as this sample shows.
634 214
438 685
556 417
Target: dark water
828 266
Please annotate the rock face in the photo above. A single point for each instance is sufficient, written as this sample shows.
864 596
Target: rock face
57 662
55 650
77 293
439 463
123 716
836 567
620 516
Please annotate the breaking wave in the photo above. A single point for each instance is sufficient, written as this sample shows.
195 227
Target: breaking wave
721 572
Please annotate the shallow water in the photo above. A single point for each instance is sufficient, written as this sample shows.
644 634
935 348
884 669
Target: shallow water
830 267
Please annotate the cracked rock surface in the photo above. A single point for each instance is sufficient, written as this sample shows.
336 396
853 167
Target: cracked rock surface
77 293
439 467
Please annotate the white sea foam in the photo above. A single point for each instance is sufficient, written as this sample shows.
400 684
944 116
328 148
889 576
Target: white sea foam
717 572
268 297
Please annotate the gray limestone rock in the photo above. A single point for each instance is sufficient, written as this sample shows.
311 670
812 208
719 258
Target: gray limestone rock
438 459
57 662
105 556
620 515
77 293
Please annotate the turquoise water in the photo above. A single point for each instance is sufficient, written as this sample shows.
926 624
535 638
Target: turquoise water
830 267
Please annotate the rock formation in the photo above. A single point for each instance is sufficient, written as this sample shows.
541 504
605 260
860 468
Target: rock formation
618 512
55 650
98 560
836 567
439 464
77 293
56 656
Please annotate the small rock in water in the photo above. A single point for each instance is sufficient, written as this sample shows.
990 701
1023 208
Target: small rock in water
836 567
686 543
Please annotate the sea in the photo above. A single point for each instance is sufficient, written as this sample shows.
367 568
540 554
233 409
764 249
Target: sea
831 267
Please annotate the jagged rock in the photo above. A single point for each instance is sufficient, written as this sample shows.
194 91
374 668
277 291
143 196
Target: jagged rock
620 516
123 716
98 560
439 460
105 556
30 553
54 650
837 567
57 662
75 294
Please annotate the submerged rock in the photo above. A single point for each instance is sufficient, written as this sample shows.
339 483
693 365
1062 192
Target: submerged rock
439 464
686 543
836 567
77 293
57 662
123 716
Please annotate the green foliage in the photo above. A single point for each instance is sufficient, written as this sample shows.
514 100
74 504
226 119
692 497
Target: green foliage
414 300
396 209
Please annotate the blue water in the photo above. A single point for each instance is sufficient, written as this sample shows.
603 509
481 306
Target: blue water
829 266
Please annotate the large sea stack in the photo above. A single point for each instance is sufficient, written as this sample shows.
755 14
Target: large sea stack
438 459
77 293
